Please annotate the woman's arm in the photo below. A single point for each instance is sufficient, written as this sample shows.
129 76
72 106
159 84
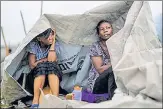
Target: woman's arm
52 57
97 62
32 60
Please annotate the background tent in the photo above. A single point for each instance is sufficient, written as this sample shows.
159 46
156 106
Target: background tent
134 48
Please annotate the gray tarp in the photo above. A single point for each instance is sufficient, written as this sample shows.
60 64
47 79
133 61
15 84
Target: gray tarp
136 53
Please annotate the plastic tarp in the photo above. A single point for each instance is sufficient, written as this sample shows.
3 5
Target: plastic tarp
136 53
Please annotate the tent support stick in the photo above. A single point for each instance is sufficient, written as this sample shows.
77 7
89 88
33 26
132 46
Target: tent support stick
41 8
6 47
23 23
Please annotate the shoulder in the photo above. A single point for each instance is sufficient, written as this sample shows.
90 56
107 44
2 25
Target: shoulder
33 44
95 49
32 47
95 45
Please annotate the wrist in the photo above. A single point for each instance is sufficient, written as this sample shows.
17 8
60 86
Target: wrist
51 49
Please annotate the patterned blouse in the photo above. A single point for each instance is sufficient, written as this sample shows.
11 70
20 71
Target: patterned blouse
96 50
34 47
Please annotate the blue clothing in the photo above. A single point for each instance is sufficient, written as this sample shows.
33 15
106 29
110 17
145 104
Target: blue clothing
34 48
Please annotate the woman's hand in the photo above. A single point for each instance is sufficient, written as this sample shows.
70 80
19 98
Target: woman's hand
32 60
54 34
43 60
98 64
52 56
54 31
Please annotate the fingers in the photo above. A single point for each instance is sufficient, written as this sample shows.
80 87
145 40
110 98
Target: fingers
46 59
50 59
54 30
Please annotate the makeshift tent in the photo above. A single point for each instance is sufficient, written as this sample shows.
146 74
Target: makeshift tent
136 53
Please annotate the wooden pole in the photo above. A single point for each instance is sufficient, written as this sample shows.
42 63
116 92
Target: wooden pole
23 23
6 47
41 8
25 75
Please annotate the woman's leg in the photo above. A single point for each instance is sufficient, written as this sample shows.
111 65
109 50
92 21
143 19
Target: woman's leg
111 84
105 83
38 83
101 84
54 84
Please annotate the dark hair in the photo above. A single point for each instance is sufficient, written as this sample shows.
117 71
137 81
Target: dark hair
46 33
99 23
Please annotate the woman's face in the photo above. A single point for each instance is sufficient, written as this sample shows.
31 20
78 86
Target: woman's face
49 40
105 30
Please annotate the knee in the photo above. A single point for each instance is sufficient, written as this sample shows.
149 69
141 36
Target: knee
43 78
52 76
40 77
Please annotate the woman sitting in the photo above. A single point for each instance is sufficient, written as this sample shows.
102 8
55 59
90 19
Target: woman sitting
101 78
43 62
